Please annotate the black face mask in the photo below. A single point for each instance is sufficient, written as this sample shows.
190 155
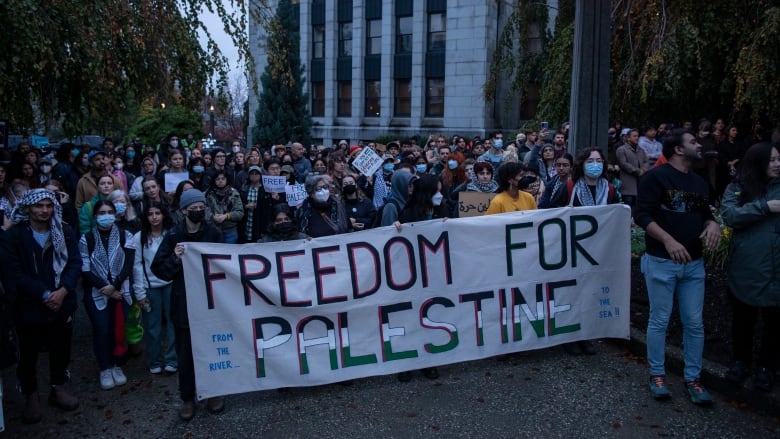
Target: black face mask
196 216
525 182
349 189
285 228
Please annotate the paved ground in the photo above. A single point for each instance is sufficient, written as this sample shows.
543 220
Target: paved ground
543 393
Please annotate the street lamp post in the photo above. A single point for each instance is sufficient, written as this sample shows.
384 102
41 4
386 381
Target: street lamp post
211 120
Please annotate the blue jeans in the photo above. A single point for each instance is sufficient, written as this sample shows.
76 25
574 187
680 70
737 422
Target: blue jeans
160 301
230 236
103 330
665 280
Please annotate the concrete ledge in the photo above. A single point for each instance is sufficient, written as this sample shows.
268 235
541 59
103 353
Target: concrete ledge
713 377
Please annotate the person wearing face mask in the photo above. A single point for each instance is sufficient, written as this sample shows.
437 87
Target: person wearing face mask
451 177
86 214
148 168
170 144
226 206
257 207
44 171
199 174
511 197
283 226
425 203
494 150
107 254
167 266
321 214
126 215
360 210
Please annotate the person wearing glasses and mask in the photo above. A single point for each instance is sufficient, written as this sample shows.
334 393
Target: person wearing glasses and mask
321 214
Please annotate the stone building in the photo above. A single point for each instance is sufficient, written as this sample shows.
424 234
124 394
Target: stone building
378 67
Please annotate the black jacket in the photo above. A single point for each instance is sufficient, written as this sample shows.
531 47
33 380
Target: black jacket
167 268
29 271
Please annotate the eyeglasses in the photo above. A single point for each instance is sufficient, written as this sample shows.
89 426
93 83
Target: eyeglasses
322 188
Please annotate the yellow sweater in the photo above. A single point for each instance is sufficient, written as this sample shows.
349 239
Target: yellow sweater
502 203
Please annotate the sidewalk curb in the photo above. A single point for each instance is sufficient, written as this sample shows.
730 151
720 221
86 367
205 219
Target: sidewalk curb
712 376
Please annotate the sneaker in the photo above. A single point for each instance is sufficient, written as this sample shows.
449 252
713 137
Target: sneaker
58 397
699 395
106 380
764 380
431 373
156 370
738 372
658 387
171 369
119 377
215 404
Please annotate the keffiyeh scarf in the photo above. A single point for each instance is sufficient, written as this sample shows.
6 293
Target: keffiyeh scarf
19 214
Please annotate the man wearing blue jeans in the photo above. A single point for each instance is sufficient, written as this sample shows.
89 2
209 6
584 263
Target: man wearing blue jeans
673 208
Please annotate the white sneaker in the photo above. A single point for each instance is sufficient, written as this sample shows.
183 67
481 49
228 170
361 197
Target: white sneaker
171 368
155 370
106 379
119 377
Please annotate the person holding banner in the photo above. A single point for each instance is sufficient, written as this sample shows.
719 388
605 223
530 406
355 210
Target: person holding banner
674 209
510 197
226 206
424 204
167 266
321 214
283 226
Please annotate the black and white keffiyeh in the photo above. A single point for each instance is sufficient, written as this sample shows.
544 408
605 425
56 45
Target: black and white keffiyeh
583 193
19 214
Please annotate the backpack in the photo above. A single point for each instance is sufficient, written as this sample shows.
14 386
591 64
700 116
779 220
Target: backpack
380 212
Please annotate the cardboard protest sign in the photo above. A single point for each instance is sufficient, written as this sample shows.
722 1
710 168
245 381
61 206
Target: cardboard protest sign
311 312
473 203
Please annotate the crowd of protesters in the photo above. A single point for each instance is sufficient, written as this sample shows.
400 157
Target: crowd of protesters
111 221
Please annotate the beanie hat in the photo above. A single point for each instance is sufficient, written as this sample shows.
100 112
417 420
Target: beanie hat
191 196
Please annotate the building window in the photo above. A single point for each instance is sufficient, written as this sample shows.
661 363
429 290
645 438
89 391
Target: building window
403 97
373 92
534 39
434 97
403 32
437 31
318 99
374 37
345 99
318 42
345 39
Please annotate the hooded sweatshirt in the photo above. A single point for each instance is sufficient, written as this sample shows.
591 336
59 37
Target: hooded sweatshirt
399 193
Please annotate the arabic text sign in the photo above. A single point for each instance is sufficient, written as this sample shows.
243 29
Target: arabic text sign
311 312
274 183
473 203
367 162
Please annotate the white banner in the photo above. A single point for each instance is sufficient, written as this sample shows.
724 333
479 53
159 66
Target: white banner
305 313
172 179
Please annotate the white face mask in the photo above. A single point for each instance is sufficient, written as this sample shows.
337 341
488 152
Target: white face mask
174 143
236 149
117 165
437 199
322 195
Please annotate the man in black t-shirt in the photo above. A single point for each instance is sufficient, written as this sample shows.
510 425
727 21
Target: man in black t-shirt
673 208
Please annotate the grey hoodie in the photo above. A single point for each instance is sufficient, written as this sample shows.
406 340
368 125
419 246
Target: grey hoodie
399 192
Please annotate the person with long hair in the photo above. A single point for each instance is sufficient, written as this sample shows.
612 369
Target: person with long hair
360 210
283 226
226 206
126 216
589 185
511 197
198 174
105 185
422 205
556 191
153 293
107 254
751 206
148 168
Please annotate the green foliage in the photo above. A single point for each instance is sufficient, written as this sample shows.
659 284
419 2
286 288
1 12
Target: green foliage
556 81
758 68
155 123
84 65
283 113
637 241
719 256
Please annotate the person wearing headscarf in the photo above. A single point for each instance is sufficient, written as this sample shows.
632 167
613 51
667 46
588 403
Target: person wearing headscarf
41 265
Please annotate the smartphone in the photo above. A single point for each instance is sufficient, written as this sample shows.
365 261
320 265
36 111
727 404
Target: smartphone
545 125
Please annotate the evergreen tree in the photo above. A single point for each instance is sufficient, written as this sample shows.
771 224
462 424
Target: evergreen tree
283 113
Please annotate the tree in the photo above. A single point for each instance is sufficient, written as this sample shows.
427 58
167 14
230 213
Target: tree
154 124
82 63
671 60
283 112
